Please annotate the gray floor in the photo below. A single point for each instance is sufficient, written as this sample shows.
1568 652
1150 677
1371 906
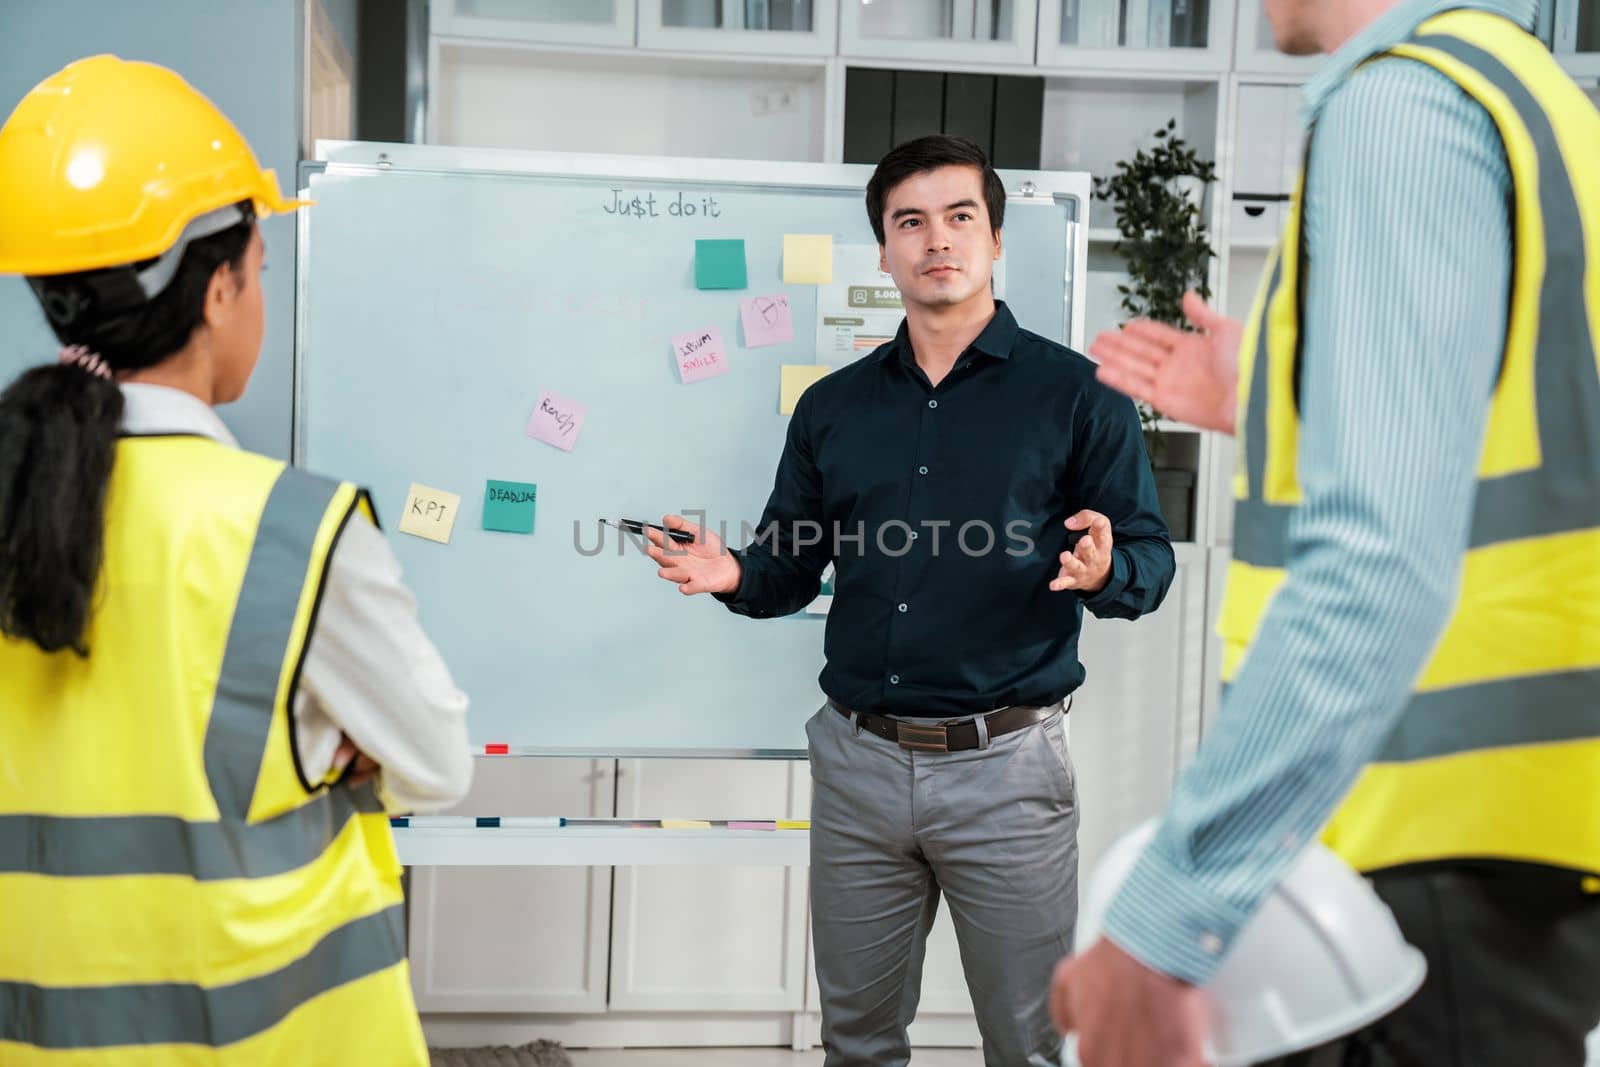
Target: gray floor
770 1057
773 1057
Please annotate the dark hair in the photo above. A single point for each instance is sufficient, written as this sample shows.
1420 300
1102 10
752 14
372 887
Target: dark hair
59 426
930 153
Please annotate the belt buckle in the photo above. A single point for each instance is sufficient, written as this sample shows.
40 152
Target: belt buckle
916 737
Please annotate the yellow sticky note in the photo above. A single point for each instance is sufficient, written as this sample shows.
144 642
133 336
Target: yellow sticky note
430 513
685 824
807 258
794 824
796 379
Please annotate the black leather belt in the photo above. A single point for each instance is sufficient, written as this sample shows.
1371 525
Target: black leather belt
951 736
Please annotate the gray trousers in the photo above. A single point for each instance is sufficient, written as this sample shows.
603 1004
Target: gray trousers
995 830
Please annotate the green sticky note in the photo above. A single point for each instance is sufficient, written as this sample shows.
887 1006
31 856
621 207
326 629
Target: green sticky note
719 265
508 506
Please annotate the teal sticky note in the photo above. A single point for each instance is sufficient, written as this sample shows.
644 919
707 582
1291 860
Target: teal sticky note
508 506
719 265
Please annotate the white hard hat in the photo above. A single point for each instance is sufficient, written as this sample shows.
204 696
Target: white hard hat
1322 958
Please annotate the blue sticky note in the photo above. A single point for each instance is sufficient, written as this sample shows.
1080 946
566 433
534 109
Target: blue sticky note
508 506
719 265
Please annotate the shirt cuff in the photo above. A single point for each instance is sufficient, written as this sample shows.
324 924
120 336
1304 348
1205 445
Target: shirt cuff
1116 582
735 601
1168 921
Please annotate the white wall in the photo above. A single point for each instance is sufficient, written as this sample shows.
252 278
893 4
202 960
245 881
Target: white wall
244 55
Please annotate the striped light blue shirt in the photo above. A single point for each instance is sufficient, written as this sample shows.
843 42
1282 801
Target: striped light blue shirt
1409 235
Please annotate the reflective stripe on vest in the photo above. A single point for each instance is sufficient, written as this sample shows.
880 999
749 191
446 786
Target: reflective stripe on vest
214 899
189 1014
1497 752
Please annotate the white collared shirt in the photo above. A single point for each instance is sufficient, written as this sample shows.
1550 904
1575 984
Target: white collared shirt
370 672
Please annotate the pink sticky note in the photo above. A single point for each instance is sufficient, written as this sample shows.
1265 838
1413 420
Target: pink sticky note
557 421
752 826
767 321
700 355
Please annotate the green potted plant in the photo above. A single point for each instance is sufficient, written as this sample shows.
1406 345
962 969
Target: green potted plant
1158 197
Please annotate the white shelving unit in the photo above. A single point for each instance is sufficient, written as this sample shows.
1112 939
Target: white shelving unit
1091 121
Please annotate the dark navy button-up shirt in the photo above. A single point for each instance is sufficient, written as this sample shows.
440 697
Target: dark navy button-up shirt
942 509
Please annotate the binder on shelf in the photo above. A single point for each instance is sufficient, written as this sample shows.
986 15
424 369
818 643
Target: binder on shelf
1098 23
1136 24
1069 21
1160 23
1199 24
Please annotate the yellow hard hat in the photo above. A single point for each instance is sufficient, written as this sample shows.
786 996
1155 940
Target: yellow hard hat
107 161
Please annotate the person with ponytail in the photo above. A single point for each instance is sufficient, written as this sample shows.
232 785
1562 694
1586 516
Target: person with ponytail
213 683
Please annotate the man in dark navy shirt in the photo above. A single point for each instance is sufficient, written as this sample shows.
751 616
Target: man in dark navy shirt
946 477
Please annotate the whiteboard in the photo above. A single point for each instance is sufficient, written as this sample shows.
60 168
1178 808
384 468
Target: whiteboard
442 290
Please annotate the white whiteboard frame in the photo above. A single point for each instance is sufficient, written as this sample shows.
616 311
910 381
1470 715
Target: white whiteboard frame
567 846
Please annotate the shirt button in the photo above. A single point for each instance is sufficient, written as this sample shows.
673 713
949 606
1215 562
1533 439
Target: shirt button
933 403
904 608
1210 944
894 679
922 470
913 535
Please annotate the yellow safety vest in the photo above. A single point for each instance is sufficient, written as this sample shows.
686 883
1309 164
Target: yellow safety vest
1497 753
172 889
